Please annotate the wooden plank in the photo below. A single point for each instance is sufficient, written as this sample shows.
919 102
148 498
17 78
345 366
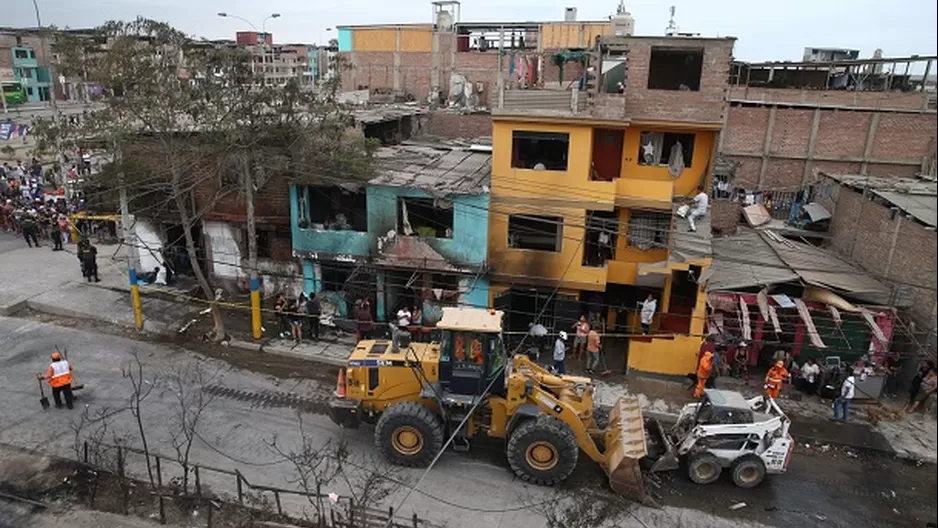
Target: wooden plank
773 315
809 324
756 215
877 331
744 317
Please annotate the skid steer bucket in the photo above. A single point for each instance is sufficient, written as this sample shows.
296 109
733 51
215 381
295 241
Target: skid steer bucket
664 455
625 447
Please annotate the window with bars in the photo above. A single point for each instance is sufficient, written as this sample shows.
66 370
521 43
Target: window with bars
649 229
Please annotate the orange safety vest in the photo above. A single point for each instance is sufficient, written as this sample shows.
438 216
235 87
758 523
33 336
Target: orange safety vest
705 368
775 377
59 374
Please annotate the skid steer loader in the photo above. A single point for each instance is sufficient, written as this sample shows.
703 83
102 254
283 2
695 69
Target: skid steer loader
462 384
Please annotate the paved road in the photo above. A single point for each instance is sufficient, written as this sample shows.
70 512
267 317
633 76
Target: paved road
463 490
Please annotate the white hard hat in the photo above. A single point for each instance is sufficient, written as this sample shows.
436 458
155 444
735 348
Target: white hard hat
563 335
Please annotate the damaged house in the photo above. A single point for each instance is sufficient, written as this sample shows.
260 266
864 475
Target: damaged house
415 235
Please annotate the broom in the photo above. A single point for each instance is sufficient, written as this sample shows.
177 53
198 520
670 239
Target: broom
606 370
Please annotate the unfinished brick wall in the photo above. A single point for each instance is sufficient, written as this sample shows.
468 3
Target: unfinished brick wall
897 249
856 99
705 105
452 125
900 142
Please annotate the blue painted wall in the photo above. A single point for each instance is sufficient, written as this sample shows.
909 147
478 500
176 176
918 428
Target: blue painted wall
345 39
468 246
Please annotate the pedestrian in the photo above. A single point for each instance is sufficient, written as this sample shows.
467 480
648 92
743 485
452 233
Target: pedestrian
30 227
560 352
926 389
809 375
280 308
842 403
647 314
774 379
313 310
698 208
893 366
59 376
579 341
593 344
916 384
296 318
403 317
63 226
56 234
704 371
88 256
364 321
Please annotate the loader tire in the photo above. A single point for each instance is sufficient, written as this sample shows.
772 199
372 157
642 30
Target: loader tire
748 471
409 434
703 468
543 451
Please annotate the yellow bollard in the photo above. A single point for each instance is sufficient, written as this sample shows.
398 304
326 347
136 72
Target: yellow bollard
135 299
256 327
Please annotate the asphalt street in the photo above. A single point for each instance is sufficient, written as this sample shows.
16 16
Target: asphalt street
248 413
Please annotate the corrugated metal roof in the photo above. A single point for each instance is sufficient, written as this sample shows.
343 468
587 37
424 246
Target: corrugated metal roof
821 268
924 208
916 197
687 244
438 169
745 260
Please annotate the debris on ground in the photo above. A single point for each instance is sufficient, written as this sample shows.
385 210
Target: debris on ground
738 506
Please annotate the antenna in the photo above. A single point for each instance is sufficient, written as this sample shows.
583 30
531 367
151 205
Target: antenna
672 26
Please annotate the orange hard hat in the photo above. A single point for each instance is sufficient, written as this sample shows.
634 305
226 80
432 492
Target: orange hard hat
56 356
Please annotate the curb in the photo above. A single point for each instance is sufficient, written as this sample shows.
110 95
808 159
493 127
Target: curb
150 327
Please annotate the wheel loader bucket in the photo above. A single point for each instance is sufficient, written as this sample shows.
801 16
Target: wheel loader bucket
625 446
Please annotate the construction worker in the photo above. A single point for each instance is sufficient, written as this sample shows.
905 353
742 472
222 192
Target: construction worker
774 379
59 376
704 370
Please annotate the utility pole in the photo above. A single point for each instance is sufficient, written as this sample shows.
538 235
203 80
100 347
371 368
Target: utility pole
127 239
55 106
256 324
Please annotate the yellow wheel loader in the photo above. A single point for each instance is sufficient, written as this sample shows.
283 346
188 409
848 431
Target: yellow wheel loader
417 395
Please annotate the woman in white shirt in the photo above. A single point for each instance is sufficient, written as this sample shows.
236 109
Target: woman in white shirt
810 373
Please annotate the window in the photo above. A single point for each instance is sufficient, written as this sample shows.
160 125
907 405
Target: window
333 209
21 53
425 217
542 233
264 249
657 148
675 69
539 150
649 229
602 228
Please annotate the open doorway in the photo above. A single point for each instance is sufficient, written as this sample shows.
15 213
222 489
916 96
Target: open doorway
681 303
607 154
602 230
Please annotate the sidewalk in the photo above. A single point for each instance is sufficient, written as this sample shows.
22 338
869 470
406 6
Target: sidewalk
50 282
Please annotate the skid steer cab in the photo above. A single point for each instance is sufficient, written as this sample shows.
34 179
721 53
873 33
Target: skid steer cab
465 386
725 431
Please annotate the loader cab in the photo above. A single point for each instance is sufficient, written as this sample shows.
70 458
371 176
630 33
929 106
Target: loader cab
472 354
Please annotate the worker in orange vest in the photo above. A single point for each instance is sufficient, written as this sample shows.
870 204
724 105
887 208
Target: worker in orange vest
774 379
704 369
59 376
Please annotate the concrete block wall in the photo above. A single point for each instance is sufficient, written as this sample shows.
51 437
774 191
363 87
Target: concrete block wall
857 99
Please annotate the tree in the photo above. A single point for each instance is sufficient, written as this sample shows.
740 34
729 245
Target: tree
168 99
141 388
187 384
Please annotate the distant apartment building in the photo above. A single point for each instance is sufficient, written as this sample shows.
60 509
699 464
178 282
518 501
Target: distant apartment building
23 60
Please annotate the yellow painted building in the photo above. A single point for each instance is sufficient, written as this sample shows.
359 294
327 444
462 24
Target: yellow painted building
587 206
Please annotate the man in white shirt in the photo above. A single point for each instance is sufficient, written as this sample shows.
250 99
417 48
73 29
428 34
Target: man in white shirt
809 374
560 352
403 317
842 403
647 313
699 208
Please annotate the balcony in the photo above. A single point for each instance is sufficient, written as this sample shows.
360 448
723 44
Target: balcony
543 102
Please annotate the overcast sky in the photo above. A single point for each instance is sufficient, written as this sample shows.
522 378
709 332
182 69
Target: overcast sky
766 30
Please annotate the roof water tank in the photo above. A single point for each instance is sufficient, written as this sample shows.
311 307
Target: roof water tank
569 14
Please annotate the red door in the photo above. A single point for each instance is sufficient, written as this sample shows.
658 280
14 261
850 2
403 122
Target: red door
607 154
